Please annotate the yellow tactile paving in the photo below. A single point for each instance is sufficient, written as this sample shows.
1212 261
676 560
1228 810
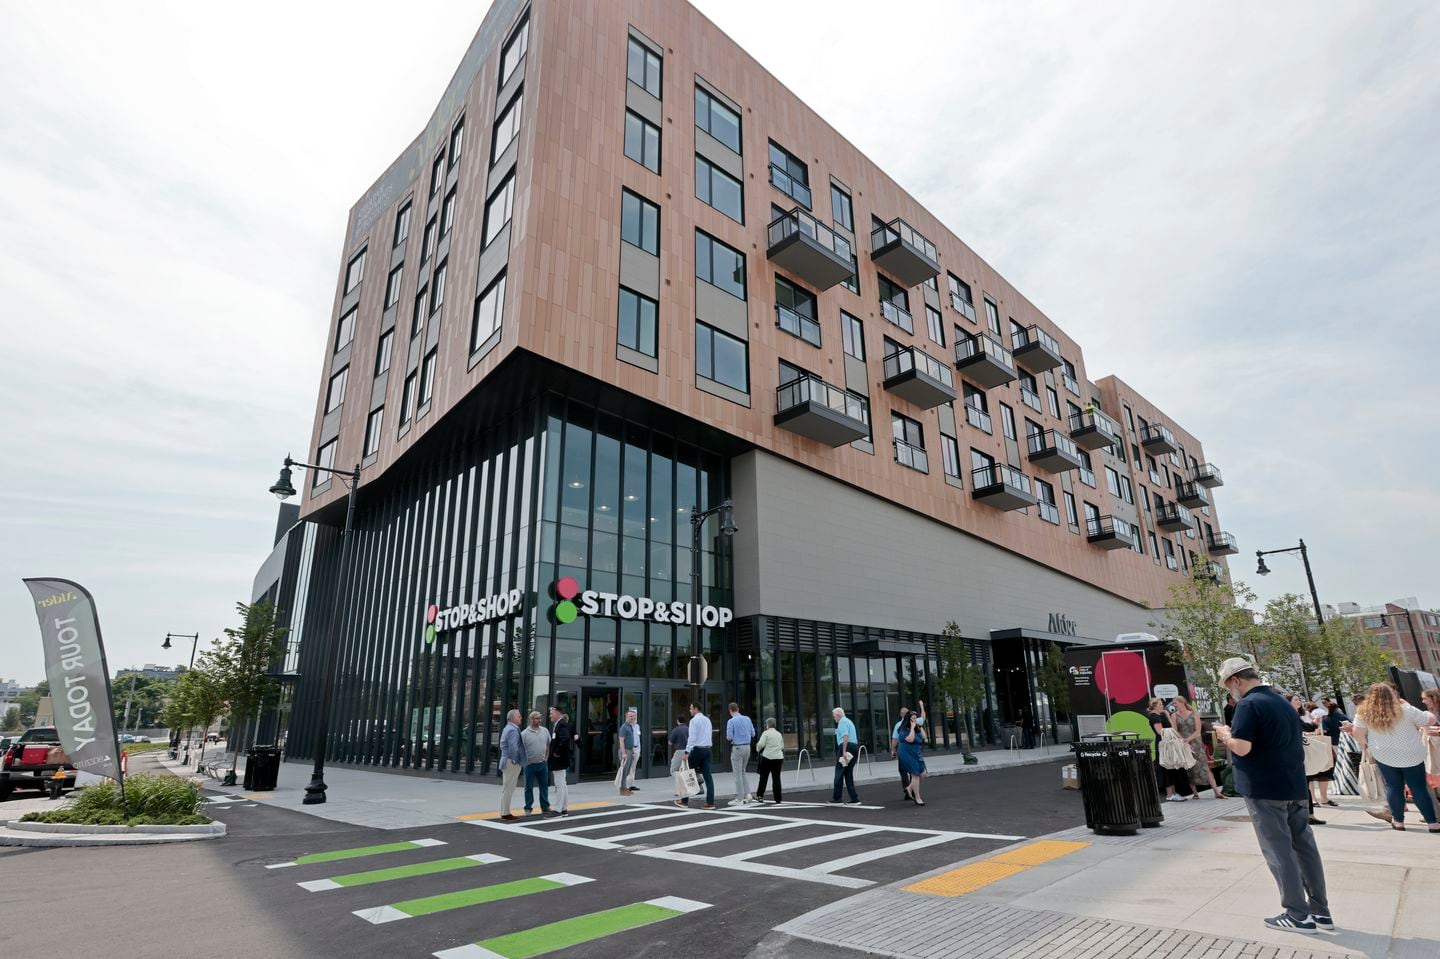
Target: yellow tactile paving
1038 852
957 882
476 816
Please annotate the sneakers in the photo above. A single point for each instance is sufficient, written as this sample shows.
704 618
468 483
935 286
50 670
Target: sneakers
1283 921
853 802
833 802
737 802
1323 922
1175 798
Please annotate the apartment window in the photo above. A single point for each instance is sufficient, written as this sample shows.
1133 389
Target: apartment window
642 141
498 209
909 443
1159 501
895 304
1052 399
1071 383
640 222
1049 512
417 319
992 316
852 334
841 209
427 378
407 402
717 119
960 298
950 455
447 213
427 247
382 351
981 461
437 173
935 323
1029 391
402 225
789 175
437 289
1087 469
507 127
1127 492
852 282
1112 481
1007 420
1017 333
1143 425
1170 562
514 50
977 413
642 68
457 139
345 330
638 321
336 394
719 265
324 458
1092 515
795 311
722 358
488 307
716 188
372 431
355 272
1032 430
392 286
1154 548
1071 516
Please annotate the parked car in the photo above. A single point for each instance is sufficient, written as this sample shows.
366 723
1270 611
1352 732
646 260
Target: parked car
32 761
212 737
140 739
127 738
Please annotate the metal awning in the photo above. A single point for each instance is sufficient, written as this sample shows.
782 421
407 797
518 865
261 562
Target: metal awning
880 646
1025 632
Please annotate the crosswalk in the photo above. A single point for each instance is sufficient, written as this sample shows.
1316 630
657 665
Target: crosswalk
708 838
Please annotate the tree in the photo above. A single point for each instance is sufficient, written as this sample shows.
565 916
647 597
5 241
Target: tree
29 701
11 720
201 698
242 664
146 701
1054 682
961 681
1207 621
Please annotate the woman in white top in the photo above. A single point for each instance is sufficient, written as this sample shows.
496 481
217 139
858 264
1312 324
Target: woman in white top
1394 733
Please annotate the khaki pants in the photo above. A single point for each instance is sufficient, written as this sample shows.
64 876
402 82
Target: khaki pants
509 776
562 789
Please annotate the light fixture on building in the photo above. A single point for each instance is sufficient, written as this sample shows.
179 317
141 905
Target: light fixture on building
284 488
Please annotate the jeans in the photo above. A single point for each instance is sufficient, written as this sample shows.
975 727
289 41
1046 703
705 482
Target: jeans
1396 779
627 769
537 774
739 759
509 776
562 790
769 767
700 762
845 775
1286 841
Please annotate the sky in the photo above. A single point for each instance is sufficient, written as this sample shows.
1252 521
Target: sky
1232 207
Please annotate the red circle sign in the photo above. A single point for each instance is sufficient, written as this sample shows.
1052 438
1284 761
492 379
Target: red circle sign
431 613
1123 677
566 587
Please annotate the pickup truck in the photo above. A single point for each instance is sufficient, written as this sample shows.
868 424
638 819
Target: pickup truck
32 761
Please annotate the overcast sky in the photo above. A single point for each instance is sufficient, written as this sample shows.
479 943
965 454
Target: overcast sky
1235 209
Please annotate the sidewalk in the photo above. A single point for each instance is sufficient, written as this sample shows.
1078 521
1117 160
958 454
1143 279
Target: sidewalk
1196 887
394 800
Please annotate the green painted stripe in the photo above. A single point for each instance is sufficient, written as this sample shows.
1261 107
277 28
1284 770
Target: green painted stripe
405 872
356 853
474 897
572 932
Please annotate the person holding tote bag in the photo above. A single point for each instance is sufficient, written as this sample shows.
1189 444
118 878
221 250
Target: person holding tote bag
1166 777
1394 732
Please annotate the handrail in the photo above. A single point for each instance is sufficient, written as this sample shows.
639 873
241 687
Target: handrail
898 315
898 229
800 220
1033 334
1157 431
805 755
1050 439
908 358
983 344
1102 423
999 474
792 393
963 306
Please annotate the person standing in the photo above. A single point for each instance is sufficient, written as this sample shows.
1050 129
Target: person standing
677 739
1165 779
912 742
1269 760
697 753
1318 783
536 740
740 733
1188 727
771 749
900 724
1027 729
512 763
559 760
628 741
1229 709
845 751
1394 731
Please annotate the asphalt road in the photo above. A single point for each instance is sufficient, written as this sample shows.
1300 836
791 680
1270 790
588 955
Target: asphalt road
590 888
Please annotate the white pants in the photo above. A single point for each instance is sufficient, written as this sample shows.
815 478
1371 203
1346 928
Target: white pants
509 776
739 759
562 790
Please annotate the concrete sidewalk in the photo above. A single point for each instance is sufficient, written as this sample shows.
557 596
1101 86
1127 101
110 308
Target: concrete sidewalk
1195 887
394 800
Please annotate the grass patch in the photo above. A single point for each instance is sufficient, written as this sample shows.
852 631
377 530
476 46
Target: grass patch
133 748
150 800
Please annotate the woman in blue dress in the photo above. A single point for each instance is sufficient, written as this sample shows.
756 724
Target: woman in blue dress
912 742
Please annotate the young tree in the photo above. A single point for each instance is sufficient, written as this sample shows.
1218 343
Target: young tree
961 681
1287 629
29 701
242 664
1054 682
201 699
11 720
1207 620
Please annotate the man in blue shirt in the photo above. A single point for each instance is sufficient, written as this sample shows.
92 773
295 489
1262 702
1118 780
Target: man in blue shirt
1269 756
740 732
628 739
512 762
845 749
697 753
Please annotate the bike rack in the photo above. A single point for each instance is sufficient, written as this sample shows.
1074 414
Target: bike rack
869 760
804 754
1014 742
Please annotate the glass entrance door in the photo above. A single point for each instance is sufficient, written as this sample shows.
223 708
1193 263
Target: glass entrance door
599 723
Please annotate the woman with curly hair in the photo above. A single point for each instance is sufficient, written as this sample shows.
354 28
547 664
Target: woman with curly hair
1394 732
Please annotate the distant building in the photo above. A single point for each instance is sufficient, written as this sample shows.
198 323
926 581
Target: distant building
11 689
1403 629
152 671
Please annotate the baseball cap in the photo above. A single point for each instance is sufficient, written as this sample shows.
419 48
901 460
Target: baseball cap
1233 665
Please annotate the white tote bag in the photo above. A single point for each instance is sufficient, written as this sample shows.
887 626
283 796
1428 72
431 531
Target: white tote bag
1319 755
686 782
1174 754
1371 786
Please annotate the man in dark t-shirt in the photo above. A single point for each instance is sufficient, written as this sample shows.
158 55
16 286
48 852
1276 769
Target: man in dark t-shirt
1269 758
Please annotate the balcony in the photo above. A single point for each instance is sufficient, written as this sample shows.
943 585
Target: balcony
1035 349
898 315
1052 451
1093 430
1172 518
984 360
811 407
1208 475
904 254
1192 495
978 418
1222 544
1003 487
911 456
919 378
1107 532
964 307
1157 438
1031 399
809 250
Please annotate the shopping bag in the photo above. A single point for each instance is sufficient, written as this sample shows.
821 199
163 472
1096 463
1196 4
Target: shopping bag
1371 786
686 782
1174 754
1432 761
1319 755
619 774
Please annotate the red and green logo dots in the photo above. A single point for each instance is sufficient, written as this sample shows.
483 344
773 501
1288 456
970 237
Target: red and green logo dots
430 616
565 590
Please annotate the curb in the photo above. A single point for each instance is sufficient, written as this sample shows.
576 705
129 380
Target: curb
214 828
27 834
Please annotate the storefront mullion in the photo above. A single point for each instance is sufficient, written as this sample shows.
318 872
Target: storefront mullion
400 609
446 648
459 645
484 692
423 718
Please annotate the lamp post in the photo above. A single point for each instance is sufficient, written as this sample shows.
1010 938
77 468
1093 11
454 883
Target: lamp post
284 489
1262 570
727 528
194 642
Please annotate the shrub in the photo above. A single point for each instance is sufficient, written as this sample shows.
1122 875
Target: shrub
149 800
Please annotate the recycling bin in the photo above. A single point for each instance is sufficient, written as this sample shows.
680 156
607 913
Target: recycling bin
1147 797
262 768
1108 785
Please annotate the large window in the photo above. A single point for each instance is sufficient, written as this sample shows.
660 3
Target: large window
977 413
447 213
417 319
507 127
1007 421
717 119
722 358
992 316
427 378
642 141
852 334
1070 515
714 187
514 50
638 321
355 271
909 443
640 222
345 330
1112 481
402 225
437 289
498 209
642 68
935 323
427 245
789 175
437 172
960 297
407 401
336 394
795 311
382 351
324 458
895 304
719 265
488 307
1045 493
841 209
950 455
457 139
392 286
372 430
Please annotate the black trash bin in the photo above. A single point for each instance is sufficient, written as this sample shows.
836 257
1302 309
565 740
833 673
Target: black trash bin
1147 797
262 768
1107 785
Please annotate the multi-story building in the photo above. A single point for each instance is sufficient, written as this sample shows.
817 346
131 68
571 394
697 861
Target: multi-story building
152 671
623 275
1405 630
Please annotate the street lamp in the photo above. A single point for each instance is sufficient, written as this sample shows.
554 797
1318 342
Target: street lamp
727 528
283 490
1262 570
194 642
